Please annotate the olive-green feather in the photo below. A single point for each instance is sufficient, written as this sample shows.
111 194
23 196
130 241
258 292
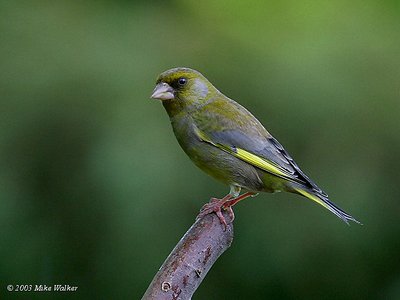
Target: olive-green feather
227 142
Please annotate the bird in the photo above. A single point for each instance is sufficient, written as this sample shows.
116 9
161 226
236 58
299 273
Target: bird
228 143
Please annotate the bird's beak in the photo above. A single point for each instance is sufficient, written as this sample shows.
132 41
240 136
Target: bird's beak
163 91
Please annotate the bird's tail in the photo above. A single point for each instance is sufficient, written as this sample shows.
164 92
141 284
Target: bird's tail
322 199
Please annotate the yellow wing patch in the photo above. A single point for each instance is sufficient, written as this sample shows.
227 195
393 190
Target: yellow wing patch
258 162
248 157
202 136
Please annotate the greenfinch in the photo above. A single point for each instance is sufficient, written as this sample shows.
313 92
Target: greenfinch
227 142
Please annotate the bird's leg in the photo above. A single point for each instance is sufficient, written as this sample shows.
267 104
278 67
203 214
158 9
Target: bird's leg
214 206
231 202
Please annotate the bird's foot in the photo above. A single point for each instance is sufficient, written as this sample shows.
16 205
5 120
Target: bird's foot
215 206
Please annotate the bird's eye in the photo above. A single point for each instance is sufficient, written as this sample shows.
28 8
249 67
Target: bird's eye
182 81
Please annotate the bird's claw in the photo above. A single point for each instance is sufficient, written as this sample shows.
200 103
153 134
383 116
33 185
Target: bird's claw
230 212
215 206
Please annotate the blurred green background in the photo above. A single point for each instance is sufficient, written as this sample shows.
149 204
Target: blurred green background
95 191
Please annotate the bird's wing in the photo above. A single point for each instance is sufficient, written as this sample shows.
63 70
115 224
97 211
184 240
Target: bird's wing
260 150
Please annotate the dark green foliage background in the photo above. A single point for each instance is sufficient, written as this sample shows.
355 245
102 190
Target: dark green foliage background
95 191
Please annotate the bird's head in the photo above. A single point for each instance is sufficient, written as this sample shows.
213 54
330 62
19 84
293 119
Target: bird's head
183 86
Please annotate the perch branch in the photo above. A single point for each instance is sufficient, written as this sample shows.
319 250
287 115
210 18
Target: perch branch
191 259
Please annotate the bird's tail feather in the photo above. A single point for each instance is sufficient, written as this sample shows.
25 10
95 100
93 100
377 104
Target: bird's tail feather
325 202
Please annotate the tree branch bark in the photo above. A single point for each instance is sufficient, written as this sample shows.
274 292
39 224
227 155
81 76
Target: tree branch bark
191 259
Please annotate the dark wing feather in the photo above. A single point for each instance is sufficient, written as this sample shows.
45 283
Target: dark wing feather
267 148
238 128
299 173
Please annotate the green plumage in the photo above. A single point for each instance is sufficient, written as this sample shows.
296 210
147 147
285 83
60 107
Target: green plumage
227 142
